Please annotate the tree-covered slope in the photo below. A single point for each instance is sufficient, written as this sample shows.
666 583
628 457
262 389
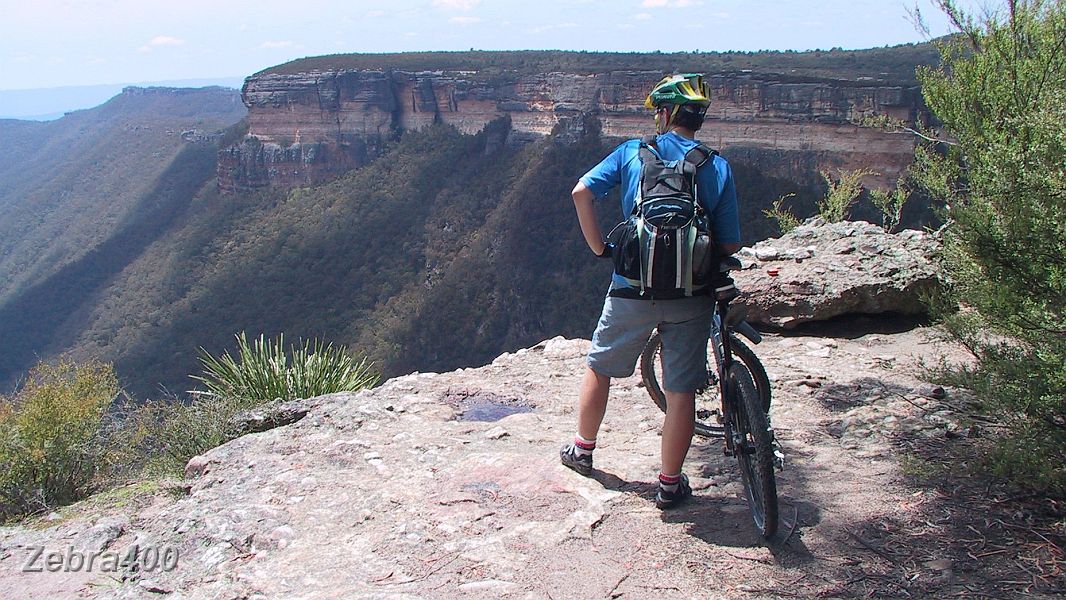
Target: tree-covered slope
68 185
83 196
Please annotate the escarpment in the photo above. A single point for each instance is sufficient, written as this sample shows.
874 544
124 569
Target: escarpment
307 128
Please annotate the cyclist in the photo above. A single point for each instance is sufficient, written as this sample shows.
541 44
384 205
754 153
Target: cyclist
680 103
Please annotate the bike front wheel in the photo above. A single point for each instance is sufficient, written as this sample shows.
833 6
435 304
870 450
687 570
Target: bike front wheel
753 446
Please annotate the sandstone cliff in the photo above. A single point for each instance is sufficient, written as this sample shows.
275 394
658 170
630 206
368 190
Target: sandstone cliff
310 127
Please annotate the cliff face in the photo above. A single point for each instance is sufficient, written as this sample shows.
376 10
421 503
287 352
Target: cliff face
311 127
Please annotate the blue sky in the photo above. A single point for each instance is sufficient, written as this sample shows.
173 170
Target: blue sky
51 43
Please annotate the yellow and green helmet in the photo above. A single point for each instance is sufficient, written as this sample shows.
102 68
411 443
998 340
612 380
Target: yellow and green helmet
686 88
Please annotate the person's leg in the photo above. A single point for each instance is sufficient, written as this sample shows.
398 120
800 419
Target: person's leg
620 335
685 330
677 430
592 403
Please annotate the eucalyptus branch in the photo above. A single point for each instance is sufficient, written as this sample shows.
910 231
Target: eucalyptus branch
896 126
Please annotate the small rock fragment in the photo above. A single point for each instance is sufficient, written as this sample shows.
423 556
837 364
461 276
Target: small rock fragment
496 433
766 253
929 390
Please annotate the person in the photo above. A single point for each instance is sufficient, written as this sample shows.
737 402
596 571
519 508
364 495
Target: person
680 103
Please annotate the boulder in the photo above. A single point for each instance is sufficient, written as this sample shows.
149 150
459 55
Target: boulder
823 270
270 415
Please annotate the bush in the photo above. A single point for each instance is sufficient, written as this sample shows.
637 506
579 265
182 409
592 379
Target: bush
262 372
1001 94
265 372
841 194
890 203
785 219
177 431
55 436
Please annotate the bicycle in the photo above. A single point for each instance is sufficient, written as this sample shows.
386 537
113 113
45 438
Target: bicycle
737 398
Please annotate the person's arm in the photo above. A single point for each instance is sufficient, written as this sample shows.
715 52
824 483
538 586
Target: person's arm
586 217
726 217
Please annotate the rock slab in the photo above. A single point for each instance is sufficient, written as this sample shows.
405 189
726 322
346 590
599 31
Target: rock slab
819 271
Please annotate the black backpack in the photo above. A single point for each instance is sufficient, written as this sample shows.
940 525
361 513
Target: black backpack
664 250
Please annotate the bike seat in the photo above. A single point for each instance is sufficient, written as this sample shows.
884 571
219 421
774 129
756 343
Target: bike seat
730 263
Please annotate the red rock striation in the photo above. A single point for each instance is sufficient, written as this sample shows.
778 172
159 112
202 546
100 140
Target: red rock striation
312 127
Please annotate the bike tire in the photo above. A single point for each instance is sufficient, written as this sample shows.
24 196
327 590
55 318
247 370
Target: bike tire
756 452
708 401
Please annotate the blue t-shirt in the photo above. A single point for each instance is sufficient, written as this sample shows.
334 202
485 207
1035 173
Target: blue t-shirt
714 186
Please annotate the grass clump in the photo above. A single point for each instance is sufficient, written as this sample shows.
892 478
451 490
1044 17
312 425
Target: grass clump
262 371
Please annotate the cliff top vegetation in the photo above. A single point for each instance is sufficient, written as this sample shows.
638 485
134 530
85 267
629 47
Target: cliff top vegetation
893 64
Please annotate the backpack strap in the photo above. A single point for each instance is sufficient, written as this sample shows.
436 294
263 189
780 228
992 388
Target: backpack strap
699 155
695 158
648 150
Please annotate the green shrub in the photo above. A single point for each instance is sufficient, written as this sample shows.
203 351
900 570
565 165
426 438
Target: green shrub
785 219
54 436
841 194
890 203
264 371
1001 95
176 431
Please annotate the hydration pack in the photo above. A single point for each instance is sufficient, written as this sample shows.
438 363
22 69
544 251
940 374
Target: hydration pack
664 249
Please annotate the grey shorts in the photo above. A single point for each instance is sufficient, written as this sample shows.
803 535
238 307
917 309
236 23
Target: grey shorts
625 326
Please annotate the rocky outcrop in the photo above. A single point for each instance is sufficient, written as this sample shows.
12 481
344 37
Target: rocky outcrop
394 493
310 127
819 271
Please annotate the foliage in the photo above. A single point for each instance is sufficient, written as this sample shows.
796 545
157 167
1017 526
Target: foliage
890 203
176 431
264 371
54 436
841 194
785 219
1001 95
894 64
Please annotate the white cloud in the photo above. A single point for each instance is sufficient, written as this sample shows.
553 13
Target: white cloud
159 41
642 17
456 4
374 14
269 45
465 20
166 40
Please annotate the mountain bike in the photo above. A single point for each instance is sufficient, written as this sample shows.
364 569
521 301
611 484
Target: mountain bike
735 404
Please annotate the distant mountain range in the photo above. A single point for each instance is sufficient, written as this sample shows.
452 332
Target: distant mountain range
46 104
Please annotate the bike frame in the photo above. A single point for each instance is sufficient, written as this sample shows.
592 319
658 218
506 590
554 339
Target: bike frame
724 358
